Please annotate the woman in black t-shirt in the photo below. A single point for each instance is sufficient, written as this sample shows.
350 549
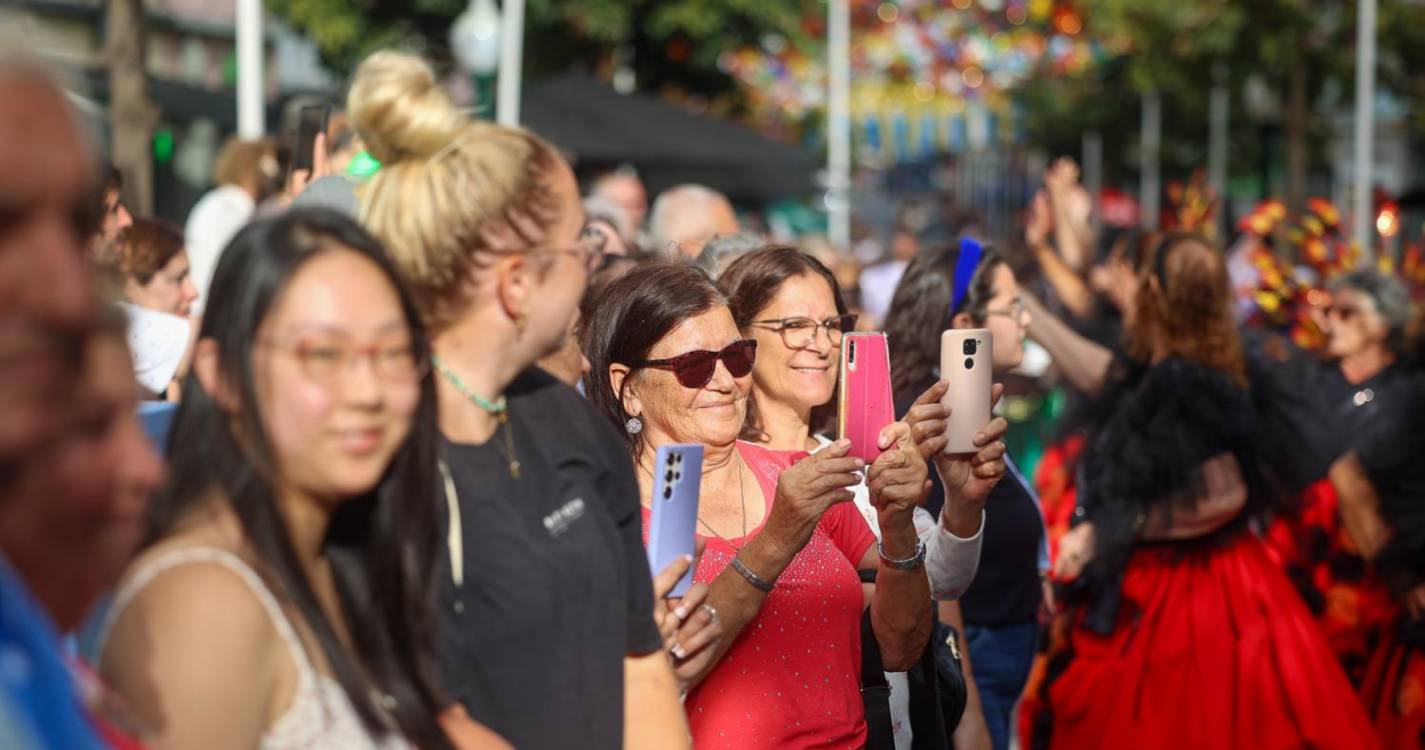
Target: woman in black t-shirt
547 603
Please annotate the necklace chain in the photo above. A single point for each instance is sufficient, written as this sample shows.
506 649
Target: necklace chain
742 499
499 408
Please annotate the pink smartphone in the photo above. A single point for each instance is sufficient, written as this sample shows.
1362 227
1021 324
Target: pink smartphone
865 405
966 361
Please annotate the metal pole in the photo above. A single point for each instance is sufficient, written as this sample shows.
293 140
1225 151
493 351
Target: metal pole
1150 188
1361 223
1093 175
1217 121
838 31
507 100
250 108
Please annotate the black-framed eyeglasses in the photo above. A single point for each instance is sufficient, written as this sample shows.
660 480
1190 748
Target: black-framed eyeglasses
695 369
800 332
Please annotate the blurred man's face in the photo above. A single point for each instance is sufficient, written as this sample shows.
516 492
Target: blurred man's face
116 215
72 516
47 299
626 192
114 219
904 246
697 223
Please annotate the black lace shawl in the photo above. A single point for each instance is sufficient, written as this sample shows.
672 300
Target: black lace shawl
1394 460
1158 426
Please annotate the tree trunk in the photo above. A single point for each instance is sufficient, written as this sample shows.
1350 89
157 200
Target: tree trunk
1298 121
131 115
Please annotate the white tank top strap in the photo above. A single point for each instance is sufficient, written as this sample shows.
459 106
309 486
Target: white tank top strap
153 567
320 715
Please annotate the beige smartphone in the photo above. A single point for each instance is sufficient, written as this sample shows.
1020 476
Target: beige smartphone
966 356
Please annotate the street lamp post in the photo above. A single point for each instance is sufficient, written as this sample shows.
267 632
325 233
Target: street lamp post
249 69
1218 108
838 118
1361 222
507 102
1150 190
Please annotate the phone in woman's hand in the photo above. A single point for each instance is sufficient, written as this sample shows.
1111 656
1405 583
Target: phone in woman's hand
966 357
672 530
865 405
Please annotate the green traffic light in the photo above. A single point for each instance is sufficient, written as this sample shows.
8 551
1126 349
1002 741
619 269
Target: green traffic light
163 145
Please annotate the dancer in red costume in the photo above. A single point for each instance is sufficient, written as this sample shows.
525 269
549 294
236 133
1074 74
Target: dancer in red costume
1382 490
1183 632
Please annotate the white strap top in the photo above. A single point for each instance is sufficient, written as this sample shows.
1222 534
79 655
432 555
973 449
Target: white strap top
320 715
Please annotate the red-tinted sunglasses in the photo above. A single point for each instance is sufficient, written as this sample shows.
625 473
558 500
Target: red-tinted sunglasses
695 369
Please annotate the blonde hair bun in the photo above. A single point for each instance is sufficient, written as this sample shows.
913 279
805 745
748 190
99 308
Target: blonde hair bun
399 109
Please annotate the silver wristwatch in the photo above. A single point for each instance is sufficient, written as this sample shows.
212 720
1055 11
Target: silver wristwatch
910 563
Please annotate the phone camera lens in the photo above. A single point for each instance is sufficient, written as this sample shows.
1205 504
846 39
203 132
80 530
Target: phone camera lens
969 347
667 493
969 364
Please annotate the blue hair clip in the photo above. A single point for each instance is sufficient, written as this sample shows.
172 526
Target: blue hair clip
970 254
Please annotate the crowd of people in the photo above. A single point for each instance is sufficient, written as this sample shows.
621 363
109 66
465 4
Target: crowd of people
406 490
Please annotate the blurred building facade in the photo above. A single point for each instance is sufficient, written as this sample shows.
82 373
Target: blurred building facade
190 62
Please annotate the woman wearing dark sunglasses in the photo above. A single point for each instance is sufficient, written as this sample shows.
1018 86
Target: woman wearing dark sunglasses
783 542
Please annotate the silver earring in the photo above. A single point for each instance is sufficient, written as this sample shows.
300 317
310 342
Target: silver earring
634 425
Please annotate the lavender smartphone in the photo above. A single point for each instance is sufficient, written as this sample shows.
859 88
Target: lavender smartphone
677 479
865 405
966 360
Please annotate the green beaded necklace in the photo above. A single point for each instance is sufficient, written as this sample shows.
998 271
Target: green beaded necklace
499 408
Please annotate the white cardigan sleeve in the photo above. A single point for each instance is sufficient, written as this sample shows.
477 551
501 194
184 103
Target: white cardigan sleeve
951 562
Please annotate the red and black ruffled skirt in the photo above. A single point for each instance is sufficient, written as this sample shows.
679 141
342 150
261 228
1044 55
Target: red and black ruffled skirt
1212 648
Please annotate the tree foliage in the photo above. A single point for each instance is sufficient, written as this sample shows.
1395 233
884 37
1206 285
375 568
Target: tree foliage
665 41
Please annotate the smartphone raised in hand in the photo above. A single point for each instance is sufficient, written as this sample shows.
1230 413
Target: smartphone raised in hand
865 405
966 358
311 122
672 529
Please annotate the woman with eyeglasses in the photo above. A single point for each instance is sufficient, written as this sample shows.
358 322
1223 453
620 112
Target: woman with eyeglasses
966 285
547 612
791 305
783 541
284 596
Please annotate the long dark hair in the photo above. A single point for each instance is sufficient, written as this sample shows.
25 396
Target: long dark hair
750 283
920 312
382 545
633 315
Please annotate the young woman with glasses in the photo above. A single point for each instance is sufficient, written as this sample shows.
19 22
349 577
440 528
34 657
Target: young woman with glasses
965 285
285 594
